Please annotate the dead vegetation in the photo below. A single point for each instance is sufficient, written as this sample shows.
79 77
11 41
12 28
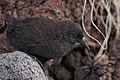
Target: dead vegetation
100 20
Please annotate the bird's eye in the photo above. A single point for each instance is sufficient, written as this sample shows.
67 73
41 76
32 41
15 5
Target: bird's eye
75 35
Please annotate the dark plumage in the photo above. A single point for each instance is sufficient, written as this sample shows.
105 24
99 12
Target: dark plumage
42 37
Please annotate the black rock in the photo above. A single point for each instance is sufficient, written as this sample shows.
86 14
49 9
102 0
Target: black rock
43 37
59 72
81 74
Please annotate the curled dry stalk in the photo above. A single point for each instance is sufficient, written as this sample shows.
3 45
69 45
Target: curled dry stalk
108 26
84 25
117 6
110 21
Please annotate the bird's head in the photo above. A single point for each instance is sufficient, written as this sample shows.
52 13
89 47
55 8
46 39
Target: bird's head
73 33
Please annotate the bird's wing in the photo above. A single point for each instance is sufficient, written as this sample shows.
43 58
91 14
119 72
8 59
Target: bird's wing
37 37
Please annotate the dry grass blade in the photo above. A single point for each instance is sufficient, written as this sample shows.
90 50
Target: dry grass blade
92 19
107 22
109 25
84 26
117 5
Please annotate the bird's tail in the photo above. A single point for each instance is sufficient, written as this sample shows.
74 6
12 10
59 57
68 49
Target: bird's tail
9 20
9 23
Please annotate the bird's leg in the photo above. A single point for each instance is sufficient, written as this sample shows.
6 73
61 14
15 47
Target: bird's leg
57 60
51 62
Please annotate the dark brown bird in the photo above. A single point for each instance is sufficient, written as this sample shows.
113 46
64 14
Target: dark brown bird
43 37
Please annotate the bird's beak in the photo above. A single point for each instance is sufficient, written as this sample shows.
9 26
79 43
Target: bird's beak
84 43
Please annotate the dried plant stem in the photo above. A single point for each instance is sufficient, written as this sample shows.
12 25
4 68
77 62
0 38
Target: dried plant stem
84 26
93 21
109 21
117 5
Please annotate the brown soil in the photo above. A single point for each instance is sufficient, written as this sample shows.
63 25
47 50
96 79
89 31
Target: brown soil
78 64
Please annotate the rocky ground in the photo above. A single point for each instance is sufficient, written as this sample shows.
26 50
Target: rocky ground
78 64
